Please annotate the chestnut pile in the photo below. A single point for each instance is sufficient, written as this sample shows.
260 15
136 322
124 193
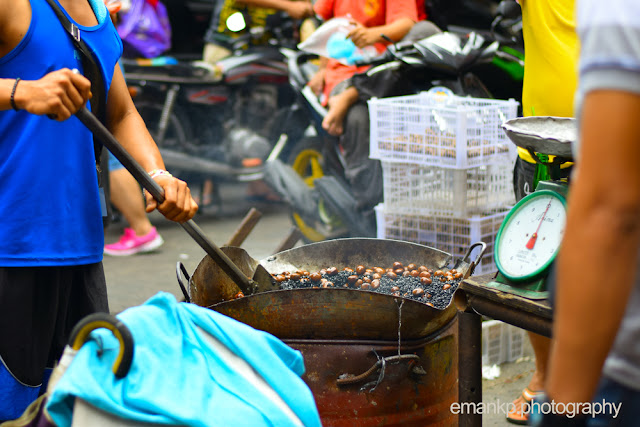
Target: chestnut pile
434 288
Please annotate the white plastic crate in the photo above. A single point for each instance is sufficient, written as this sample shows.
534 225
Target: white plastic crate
501 342
492 342
410 187
453 235
514 342
447 131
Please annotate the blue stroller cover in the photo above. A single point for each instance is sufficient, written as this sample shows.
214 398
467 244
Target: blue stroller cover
179 377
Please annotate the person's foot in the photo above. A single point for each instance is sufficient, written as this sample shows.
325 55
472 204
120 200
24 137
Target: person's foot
519 413
339 105
130 244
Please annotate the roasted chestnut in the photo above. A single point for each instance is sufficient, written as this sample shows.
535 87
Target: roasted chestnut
425 280
315 277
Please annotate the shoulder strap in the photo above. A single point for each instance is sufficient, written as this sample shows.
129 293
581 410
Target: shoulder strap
91 69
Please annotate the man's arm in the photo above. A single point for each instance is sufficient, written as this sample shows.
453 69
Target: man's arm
363 36
296 9
596 265
316 83
124 121
58 94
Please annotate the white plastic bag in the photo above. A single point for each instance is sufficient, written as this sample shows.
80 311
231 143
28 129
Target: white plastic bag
330 40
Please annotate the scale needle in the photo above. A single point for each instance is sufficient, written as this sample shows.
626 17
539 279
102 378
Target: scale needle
532 241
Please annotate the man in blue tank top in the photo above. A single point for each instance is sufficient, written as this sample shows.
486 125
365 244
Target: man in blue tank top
51 229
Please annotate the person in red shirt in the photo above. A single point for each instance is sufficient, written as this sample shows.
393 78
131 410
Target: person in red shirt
372 18
346 116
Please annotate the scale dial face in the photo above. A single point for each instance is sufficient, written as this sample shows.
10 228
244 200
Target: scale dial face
530 236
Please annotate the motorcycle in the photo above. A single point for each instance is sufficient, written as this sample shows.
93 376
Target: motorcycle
311 178
218 121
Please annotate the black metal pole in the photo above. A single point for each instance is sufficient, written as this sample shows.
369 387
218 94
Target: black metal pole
469 368
108 140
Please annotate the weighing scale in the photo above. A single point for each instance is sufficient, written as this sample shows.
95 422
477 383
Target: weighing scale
529 238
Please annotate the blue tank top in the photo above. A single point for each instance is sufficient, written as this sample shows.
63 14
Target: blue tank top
49 203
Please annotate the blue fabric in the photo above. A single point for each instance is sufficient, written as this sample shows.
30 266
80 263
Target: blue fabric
45 380
50 207
628 400
176 378
16 396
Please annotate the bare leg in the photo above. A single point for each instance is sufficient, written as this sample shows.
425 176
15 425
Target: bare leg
541 348
338 106
126 196
207 192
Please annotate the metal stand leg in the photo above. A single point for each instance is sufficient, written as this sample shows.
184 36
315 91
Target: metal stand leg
470 368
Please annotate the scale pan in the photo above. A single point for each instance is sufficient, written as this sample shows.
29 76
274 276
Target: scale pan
543 134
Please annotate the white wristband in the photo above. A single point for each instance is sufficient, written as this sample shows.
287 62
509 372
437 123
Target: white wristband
158 172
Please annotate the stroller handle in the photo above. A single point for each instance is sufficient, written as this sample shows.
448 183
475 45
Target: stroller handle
81 331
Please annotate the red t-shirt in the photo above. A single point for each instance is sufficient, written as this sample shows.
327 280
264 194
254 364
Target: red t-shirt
370 13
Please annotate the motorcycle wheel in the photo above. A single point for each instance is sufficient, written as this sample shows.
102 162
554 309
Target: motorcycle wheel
307 160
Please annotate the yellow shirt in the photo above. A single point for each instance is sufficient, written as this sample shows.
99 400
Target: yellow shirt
551 59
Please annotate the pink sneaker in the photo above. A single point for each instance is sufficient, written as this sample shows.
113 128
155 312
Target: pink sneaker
130 244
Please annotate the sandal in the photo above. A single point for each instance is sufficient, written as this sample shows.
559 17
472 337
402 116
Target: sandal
520 415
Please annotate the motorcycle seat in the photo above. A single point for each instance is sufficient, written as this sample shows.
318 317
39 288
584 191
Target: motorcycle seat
169 71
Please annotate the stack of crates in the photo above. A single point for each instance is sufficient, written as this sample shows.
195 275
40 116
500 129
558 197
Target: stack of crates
501 342
447 170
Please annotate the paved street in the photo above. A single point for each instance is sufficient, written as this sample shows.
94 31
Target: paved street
132 280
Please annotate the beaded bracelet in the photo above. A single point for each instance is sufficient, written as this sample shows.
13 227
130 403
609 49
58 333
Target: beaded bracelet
12 99
158 172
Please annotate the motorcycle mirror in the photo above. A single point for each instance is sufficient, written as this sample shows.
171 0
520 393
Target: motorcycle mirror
508 9
235 22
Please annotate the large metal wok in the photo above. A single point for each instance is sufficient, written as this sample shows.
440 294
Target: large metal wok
337 313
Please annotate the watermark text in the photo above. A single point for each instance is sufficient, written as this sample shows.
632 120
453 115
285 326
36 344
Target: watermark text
569 409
